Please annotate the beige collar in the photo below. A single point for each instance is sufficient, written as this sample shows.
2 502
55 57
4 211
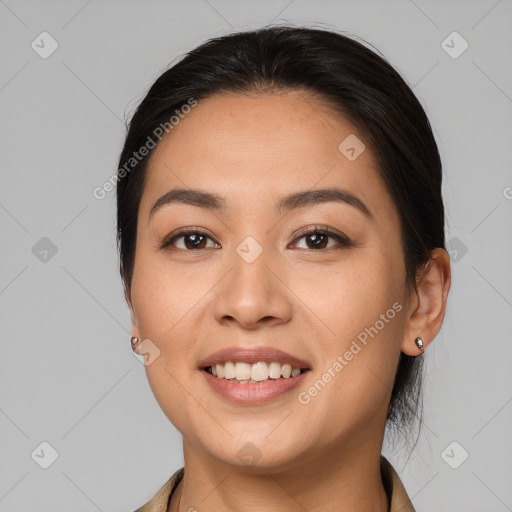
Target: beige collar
400 502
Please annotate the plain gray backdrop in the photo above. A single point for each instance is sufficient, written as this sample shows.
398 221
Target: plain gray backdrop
68 376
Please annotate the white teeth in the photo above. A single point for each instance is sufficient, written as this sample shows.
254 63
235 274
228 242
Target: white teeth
274 370
257 372
220 370
229 370
286 370
243 371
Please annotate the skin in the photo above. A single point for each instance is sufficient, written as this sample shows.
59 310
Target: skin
310 302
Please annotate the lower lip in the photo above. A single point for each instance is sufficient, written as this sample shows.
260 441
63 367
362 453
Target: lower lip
252 393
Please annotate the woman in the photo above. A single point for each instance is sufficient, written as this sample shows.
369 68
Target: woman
281 237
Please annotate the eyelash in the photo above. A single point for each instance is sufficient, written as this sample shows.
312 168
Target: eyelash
323 230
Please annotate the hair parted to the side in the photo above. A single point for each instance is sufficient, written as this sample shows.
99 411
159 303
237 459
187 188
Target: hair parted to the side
357 84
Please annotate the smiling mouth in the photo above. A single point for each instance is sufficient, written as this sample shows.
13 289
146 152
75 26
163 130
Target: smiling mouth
257 373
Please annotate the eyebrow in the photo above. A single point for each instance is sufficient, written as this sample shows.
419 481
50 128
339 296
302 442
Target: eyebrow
215 202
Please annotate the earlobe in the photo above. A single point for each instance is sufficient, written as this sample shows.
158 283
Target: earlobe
427 313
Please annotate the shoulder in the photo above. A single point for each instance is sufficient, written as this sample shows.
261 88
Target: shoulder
400 501
160 500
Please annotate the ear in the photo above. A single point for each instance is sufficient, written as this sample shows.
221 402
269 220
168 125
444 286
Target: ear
428 305
128 298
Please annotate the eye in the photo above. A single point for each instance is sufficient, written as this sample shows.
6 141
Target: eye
192 240
317 238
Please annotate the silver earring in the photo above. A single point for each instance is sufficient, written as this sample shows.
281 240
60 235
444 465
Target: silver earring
134 340
419 344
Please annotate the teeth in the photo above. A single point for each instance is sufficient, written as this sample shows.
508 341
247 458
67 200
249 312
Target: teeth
220 371
274 370
229 370
243 371
257 372
286 371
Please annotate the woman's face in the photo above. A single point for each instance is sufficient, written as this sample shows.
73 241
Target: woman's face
253 278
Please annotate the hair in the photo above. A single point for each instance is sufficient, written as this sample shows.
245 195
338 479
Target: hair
353 81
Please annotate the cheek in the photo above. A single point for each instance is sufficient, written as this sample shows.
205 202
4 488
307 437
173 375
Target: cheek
169 303
158 295
345 297
162 302
359 315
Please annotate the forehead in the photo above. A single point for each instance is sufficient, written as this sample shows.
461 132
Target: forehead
249 147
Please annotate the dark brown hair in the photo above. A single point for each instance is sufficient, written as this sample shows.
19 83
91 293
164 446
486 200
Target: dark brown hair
359 85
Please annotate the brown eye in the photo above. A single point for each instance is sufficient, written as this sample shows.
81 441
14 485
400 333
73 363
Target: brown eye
192 240
318 239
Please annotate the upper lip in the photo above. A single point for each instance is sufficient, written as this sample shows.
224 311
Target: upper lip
251 356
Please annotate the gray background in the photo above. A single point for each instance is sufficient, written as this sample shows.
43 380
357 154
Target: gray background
68 375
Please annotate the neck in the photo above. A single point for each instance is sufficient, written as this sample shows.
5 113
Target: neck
337 479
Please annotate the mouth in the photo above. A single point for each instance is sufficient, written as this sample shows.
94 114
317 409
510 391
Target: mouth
257 373
253 365
252 392
253 376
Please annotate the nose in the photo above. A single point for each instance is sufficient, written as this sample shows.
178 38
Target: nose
253 295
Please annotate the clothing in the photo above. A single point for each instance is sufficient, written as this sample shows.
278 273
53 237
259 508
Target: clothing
395 490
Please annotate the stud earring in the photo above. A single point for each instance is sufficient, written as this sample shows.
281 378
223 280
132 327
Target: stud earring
419 344
134 340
